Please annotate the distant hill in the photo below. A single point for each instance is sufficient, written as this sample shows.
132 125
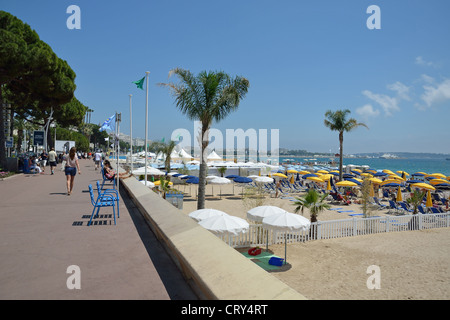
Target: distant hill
407 155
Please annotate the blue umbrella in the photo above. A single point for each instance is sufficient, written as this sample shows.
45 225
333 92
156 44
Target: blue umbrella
242 180
177 174
392 184
194 180
380 174
189 177
309 175
231 176
414 181
353 180
348 175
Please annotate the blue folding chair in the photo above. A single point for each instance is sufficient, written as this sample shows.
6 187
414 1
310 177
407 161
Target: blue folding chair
113 192
103 200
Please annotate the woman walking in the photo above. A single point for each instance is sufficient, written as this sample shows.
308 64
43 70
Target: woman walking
71 169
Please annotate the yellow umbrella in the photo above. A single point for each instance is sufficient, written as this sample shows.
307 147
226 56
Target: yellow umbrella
448 178
394 176
329 185
437 181
437 175
322 171
422 185
316 179
388 171
279 175
357 170
346 183
158 182
326 177
365 174
292 179
304 172
292 171
399 195
403 172
429 201
376 180
335 171
389 181
371 171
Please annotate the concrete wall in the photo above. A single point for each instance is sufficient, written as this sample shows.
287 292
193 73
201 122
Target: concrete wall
214 269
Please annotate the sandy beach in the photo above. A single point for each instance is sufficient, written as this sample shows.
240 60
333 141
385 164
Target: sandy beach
412 264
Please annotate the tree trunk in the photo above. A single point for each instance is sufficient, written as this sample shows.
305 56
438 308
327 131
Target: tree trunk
341 153
202 174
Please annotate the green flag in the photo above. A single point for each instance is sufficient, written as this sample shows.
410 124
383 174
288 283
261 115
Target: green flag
140 83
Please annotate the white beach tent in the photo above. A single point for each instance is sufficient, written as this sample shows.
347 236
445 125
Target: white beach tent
213 156
184 155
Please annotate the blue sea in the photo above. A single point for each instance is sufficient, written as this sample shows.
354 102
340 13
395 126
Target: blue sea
409 165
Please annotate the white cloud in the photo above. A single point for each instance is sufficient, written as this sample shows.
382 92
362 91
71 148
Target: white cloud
401 89
389 104
367 112
437 93
421 62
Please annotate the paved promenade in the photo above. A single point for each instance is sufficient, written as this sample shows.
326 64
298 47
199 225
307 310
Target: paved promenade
43 232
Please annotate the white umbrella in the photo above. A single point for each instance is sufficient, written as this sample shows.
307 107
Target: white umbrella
203 214
225 224
220 181
264 180
259 213
147 183
253 177
286 221
150 171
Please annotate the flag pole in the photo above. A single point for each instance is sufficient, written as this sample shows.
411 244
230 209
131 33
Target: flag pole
146 124
131 138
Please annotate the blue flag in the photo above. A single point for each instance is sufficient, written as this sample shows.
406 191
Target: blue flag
109 124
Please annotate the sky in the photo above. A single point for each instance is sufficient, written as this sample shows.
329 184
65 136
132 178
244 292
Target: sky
301 58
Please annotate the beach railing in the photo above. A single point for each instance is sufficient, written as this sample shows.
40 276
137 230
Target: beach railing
258 235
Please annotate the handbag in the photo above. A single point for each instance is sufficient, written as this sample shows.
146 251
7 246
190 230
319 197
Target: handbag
63 165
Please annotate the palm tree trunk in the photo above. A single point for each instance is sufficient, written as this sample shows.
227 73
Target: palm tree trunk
341 153
202 174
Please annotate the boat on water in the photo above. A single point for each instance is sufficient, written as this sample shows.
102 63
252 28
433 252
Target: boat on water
389 156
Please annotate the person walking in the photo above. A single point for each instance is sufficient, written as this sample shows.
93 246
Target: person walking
71 169
52 159
97 158
43 160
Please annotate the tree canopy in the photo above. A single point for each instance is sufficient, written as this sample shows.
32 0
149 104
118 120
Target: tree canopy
33 79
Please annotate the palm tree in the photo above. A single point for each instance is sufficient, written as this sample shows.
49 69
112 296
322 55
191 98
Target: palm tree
166 149
207 97
337 121
312 201
416 199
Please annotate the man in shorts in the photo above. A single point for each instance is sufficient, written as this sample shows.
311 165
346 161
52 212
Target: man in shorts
43 160
52 159
97 158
